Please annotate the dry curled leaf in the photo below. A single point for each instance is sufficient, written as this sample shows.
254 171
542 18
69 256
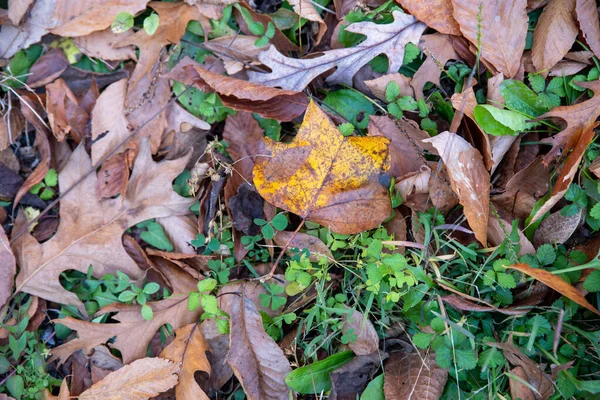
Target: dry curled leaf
140 380
378 85
468 177
189 350
503 30
324 177
134 333
389 39
90 229
556 283
255 358
436 14
413 376
579 118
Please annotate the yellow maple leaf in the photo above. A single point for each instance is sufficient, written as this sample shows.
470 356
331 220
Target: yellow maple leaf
325 177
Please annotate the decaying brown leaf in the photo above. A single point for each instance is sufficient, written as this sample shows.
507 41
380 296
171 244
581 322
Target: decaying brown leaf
389 39
413 376
556 283
283 105
554 34
324 177
587 15
140 380
100 44
189 350
301 241
468 177
436 14
349 381
90 229
8 268
503 30
438 49
367 341
557 229
528 370
255 358
406 146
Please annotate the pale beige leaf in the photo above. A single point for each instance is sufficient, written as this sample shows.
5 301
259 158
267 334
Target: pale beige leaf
109 124
413 376
554 34
255 358
17 9
367 341
306 9
90 229
189 349
15 38
557 229
180 230
100 44
469 178
140 380
503 30
78 18
388 39
238 48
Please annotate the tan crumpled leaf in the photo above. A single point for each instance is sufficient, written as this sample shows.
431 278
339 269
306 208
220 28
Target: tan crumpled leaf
140 380
389 39
282 105
133 332
437 14
367 341
325 177
413 376
468 177
439 50
256 360
556 283
188 349
503 30
8 268
78 18
113 176
90 229
557 229
554 34
587 15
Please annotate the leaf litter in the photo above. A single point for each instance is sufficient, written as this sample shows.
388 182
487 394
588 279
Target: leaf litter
206 199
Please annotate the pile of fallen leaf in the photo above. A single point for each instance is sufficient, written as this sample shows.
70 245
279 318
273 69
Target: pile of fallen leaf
129 153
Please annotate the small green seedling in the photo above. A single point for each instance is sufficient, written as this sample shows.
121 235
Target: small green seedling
47 188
